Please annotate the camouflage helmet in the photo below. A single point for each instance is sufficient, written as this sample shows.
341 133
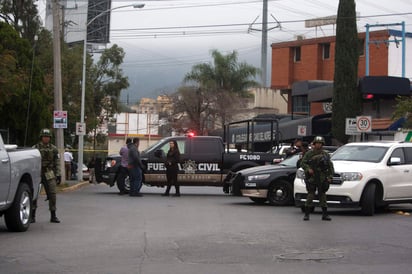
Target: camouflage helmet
45 132
319 139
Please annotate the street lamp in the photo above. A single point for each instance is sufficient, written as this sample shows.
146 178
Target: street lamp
81 135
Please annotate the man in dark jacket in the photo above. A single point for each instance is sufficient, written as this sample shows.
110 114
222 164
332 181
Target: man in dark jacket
135 168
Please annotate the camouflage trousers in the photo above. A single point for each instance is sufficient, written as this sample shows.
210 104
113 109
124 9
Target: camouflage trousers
321 189
50 186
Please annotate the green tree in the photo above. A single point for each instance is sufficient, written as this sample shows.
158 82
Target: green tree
23 102
105 82
346 98
404 109
195 103
225 83
23 16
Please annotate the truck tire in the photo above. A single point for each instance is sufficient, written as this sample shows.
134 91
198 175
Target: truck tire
123 184
17 217
280 193
368 200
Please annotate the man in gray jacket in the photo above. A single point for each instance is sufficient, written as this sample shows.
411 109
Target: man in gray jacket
135 168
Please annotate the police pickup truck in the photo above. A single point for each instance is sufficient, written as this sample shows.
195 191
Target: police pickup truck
203 162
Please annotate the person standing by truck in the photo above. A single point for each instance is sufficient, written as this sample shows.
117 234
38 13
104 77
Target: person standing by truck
135 168
123 170
50 173
68 159
318 175
172 168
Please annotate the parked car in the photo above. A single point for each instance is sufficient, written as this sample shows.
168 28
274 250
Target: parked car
268 183
369 176
85 169
19 184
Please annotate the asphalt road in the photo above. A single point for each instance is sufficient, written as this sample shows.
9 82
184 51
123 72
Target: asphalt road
203 231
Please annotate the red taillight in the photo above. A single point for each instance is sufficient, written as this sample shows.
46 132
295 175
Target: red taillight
368 96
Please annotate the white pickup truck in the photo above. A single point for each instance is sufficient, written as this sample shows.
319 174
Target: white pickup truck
369 175
20 173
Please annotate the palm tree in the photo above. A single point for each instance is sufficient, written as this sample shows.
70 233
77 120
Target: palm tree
226 80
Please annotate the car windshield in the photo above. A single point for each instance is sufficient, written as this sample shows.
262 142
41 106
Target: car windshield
291 161
155 145
373 154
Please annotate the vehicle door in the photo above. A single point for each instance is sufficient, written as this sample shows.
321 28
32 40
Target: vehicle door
5 175
155 173
203 166
399 185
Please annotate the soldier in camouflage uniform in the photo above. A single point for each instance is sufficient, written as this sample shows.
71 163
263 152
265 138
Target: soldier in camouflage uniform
318 175
50 172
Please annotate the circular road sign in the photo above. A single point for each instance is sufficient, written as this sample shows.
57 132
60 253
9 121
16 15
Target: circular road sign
364 123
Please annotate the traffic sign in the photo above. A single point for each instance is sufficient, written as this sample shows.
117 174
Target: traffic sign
301 130
80 128
59 119
408 137
351 128
364 123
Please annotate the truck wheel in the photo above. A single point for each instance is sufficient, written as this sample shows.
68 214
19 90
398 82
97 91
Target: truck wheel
280 193
123 184
259 201
368 200
17 217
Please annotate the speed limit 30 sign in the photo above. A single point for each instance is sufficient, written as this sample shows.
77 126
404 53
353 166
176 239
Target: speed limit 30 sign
364 123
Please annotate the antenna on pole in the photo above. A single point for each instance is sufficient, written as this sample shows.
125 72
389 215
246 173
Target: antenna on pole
264 45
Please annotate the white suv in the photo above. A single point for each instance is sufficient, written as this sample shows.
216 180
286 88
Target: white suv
368 175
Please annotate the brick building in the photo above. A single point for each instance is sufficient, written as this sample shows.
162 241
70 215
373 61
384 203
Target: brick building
304 70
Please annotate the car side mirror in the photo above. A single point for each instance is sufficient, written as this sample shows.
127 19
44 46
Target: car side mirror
394 161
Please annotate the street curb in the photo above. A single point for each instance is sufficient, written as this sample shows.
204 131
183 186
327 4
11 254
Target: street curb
74 187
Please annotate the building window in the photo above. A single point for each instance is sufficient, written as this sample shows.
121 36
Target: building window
296 54
300 104
326 51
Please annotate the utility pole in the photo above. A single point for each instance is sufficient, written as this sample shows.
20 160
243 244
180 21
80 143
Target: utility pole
377 42
264 46
57 80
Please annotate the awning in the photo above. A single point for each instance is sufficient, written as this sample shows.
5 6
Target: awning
321 94
387 124
305 87
385 85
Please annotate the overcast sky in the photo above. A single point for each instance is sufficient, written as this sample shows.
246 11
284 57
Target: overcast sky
166 38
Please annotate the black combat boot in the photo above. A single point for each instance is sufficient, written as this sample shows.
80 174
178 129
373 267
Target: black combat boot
325 216
177 191
307 212
33 216
53 217
167 191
